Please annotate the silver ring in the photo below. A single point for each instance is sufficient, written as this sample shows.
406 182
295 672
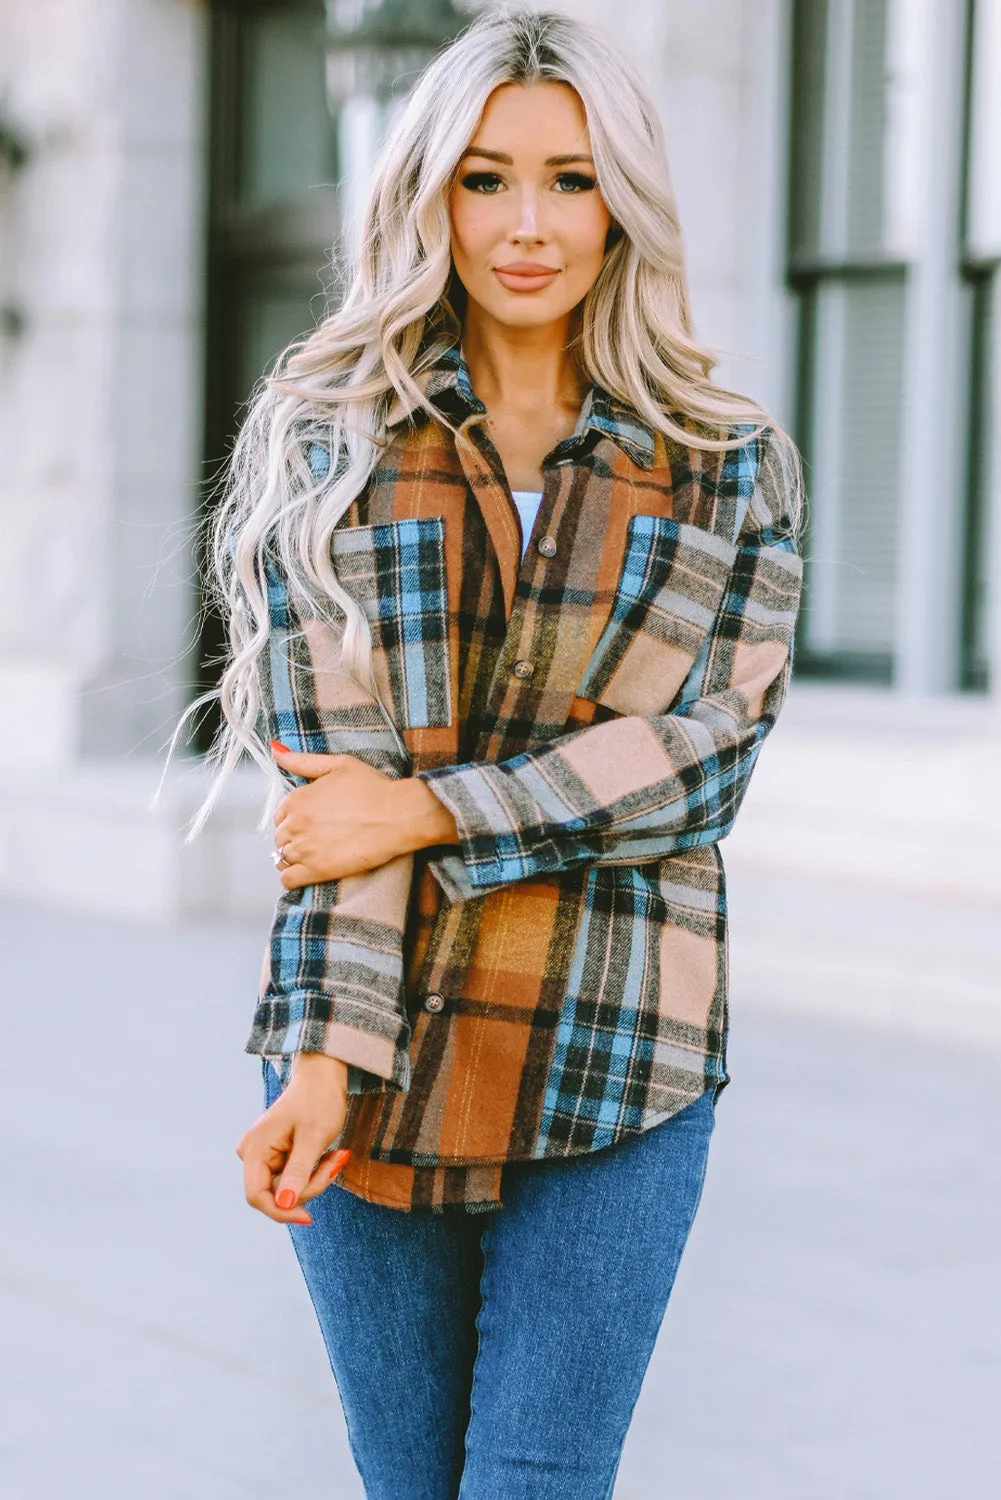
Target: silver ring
276 857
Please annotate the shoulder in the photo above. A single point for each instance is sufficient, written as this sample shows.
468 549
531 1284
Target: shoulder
745 482
710 471
773 483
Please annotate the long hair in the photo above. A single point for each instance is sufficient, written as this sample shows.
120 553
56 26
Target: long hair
336 387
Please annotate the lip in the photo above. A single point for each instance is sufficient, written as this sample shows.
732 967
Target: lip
525 275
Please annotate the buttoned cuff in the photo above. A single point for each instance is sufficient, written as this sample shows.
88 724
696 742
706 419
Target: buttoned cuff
375 1062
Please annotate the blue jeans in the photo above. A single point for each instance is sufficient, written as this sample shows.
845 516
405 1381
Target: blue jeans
499 1356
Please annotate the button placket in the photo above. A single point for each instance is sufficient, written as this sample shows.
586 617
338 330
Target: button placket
513 672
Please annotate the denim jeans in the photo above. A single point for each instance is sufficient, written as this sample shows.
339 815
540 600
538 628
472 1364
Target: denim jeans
499 1356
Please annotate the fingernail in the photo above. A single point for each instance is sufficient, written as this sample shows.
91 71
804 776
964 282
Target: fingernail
286 1198
338 1160
277 745
303 1223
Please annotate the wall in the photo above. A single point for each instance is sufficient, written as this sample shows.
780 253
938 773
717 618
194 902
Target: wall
100 408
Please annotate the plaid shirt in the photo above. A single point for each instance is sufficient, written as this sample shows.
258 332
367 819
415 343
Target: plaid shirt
590 714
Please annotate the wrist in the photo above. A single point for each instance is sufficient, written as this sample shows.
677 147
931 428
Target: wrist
318 1065
424 820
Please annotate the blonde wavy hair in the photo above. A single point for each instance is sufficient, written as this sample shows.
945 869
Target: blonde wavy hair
336 387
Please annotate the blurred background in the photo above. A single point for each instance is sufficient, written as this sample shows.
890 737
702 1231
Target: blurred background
173 175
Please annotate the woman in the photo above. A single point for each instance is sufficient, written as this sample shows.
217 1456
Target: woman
511 586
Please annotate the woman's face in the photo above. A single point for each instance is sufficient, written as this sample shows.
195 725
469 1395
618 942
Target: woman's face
529 225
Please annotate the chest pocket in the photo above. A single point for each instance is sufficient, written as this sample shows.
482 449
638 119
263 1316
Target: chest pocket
672 581
396 572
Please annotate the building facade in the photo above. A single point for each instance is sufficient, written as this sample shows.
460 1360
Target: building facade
172 176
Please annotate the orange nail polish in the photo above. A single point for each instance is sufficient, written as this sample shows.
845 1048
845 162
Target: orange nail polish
277 745
285 1199
338 1160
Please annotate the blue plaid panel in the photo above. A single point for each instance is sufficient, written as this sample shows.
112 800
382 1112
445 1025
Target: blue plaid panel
396 571
672 580
599 1078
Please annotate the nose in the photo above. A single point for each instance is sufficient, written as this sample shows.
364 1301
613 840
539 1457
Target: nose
528 230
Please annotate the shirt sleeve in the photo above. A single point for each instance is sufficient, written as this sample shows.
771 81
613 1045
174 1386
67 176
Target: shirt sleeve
333 973
636 788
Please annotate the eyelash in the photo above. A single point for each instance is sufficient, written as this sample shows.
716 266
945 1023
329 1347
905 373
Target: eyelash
484 182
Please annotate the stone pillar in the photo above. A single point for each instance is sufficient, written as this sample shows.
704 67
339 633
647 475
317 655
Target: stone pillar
930 538
100 405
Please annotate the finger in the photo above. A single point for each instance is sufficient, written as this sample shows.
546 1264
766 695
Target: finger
294 877
283 831
307 1148
327 1169
265 1137
305 763
284 834
286 848
258 1176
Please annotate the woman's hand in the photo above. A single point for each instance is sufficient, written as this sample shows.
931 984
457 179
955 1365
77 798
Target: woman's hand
284 1155
351 818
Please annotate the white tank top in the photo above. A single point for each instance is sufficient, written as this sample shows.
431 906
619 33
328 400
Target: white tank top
527 503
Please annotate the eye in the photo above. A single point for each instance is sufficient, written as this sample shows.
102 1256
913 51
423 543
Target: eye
575 182
482 182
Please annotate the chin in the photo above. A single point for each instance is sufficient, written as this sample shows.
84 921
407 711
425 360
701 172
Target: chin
519 311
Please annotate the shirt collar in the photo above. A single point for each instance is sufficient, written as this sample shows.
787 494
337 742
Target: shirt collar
446 384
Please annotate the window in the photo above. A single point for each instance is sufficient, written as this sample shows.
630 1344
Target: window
894 245
848 231
273 215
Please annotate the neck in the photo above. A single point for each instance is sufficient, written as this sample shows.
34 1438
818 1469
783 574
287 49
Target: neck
526 369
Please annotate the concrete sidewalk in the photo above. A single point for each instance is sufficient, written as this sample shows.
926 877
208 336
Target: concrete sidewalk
836 1329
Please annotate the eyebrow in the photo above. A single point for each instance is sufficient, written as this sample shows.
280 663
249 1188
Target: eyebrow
508 161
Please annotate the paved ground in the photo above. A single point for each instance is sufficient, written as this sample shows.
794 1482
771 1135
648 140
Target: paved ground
836 1329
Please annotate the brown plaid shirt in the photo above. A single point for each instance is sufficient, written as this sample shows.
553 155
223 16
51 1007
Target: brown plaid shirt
590 714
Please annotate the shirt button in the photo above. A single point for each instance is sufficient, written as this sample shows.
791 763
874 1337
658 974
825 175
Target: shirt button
547 546
434 1003
523 668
